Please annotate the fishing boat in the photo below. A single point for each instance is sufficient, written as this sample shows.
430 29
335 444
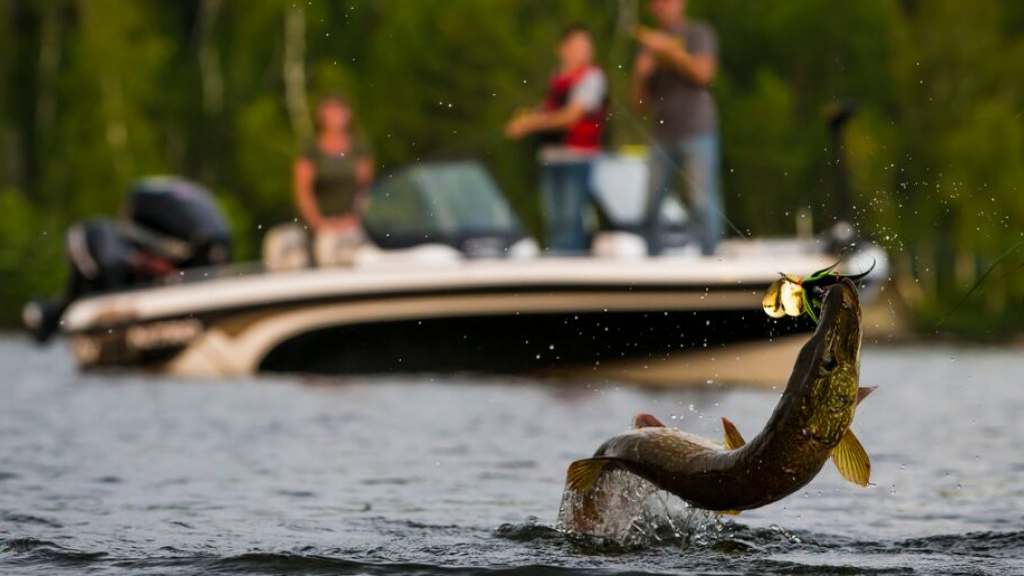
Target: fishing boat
453 284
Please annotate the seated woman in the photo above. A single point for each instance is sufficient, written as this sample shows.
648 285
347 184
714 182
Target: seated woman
332 176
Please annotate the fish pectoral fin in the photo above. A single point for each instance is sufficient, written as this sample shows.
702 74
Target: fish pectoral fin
583 474
733 438
851 460
646 421
863 393
728 512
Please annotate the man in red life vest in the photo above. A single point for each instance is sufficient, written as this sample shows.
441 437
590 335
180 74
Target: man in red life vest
571 123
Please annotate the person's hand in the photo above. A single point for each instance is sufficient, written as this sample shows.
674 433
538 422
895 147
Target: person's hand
364 172
656 41
518 127
645 64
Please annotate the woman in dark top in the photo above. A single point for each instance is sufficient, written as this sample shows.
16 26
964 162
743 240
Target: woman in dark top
333 172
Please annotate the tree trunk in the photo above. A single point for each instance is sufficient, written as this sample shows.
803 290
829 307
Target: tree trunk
49 62
211 78
295 73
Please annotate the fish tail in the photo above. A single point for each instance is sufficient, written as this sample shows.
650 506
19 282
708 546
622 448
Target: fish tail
583 474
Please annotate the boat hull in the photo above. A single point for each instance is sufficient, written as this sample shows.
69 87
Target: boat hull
554 316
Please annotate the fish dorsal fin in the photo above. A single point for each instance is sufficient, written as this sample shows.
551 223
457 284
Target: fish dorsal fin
646 421
851 460
863 392
733 438
583 474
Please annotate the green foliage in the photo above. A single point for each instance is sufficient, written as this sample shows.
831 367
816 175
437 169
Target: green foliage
265 164
765 155
96 93
31 256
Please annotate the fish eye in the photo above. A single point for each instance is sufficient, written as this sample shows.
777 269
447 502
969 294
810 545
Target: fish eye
829 362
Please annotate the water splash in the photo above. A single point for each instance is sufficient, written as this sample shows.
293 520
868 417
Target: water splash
626 511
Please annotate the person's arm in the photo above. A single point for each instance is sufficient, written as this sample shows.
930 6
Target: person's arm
586 97
364 180
304 173
545 120
699 68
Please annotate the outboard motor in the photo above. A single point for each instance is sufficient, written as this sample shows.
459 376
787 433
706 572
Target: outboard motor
171 224
842 234
179 218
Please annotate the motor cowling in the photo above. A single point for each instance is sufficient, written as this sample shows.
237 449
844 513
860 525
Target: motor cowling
169 224
178 217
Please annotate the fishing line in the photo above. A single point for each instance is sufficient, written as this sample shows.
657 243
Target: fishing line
626 20
982 279
676 167
626 23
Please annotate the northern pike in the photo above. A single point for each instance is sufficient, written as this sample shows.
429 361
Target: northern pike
810 425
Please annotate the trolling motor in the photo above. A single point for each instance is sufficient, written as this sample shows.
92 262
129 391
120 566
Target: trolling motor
842 234
170 224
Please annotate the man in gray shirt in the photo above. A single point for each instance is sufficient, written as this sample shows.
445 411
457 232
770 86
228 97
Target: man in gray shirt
671 80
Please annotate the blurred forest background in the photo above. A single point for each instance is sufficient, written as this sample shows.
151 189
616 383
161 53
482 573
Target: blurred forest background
94 93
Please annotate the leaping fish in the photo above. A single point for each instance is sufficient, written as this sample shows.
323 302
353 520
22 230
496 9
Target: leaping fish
810 425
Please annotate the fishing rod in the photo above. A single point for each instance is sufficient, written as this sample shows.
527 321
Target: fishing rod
791 295
625 25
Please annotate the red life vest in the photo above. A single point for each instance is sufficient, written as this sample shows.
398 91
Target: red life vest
587 133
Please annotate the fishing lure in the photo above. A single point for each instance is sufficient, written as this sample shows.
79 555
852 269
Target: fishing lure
794 296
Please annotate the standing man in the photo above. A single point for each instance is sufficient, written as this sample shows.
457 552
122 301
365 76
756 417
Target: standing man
671 79
571 123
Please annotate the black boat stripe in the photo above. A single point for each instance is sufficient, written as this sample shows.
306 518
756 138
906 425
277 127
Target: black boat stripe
219 313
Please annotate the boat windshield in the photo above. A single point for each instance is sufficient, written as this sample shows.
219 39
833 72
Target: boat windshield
453 203
620 184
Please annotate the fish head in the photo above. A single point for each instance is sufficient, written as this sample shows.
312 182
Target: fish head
831 365
841 320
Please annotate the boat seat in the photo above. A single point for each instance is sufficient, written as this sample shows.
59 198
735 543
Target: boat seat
368 256
618 244
286 247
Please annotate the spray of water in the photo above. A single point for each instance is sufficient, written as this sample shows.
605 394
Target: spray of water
626 511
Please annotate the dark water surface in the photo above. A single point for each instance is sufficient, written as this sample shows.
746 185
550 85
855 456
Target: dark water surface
127 474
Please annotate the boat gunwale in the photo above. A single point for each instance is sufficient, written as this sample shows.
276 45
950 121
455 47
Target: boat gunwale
236 294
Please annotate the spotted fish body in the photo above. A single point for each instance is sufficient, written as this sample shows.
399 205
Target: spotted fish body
810 424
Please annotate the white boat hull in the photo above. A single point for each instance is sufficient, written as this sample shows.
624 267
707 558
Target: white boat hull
537 315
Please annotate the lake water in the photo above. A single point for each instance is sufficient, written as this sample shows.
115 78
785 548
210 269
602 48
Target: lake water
130 474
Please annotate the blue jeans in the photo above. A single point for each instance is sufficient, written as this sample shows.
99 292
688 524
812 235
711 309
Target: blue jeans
565 187
697 158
